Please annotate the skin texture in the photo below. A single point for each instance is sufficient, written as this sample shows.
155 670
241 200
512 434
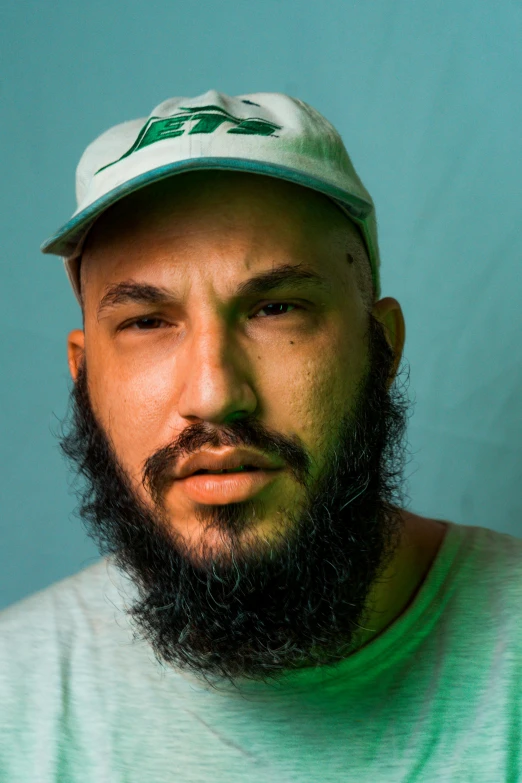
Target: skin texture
324 558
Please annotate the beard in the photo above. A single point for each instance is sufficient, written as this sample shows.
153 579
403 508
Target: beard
255 609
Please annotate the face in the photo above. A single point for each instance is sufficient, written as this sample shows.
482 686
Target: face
302 374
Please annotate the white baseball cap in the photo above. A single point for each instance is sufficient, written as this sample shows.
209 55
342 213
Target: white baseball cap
262 133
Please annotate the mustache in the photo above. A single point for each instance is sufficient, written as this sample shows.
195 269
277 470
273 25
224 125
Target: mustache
158 470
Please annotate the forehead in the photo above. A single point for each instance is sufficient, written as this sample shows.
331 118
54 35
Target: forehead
229 215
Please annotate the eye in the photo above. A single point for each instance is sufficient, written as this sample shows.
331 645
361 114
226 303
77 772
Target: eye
278 304
148 324
138 321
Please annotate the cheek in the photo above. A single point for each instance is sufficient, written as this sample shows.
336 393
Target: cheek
132 404
314 404
321 390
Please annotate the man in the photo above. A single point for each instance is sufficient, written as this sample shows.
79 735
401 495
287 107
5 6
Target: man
237 418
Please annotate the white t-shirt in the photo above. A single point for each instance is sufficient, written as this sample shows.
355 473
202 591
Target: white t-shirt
435 697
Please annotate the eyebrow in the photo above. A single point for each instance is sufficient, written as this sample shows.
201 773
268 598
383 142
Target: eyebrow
285 275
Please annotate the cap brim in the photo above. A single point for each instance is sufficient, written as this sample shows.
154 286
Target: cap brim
66 240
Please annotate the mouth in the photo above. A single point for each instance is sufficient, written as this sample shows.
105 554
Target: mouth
226 486
242 469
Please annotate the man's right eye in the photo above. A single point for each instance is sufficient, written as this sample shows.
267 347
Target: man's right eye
138 323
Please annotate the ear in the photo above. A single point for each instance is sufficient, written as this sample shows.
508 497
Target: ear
75 351
388 311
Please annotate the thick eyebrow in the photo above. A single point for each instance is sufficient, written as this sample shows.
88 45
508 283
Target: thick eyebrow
287 275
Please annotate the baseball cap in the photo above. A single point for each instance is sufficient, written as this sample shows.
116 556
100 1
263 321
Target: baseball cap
264 133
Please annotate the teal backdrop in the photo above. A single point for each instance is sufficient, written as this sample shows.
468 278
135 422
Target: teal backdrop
427 97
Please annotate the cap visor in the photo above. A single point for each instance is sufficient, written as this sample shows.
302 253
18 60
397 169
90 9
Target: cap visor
65 241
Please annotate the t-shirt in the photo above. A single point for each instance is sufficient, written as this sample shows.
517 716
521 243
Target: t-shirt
437 696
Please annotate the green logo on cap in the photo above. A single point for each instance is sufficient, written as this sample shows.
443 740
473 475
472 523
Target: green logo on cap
207 119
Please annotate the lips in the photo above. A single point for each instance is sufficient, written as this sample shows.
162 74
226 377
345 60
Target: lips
229 460
243 469
231 487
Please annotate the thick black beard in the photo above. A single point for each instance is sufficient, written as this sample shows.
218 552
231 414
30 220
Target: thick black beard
255 611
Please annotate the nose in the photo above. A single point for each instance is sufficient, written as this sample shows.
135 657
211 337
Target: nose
214 377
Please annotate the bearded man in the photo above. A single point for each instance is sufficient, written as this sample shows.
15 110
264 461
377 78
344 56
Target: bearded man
266 608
